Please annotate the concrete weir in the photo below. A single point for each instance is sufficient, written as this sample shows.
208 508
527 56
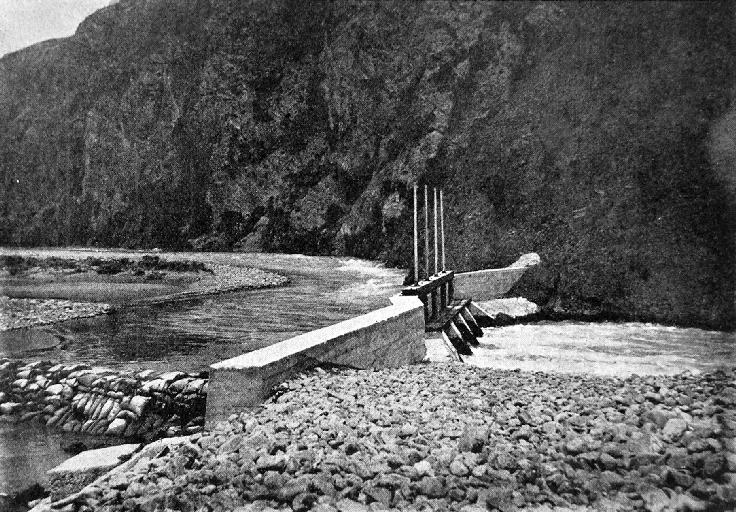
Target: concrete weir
388 337
492 283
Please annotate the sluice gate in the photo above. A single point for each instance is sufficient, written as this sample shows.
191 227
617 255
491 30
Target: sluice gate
442 311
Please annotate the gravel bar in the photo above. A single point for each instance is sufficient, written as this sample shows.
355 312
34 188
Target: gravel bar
19 313
225 278
452 437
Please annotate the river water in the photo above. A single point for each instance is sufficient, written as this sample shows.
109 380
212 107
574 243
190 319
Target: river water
617 349
191 335
323 291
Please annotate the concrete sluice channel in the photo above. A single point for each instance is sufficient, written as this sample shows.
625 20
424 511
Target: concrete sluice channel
189 336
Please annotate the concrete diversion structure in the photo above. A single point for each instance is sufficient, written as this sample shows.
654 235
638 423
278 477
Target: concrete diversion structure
388 337
79 398
492 283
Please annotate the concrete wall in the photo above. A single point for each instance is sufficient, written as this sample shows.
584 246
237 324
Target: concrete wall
388 337
486 284
492 283
84 468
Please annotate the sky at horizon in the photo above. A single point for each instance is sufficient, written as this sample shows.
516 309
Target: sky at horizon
26 22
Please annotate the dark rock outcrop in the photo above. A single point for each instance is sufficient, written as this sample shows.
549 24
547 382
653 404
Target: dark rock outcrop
596 134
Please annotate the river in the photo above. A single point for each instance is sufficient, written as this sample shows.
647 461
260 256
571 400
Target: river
191 335
323 291
615 349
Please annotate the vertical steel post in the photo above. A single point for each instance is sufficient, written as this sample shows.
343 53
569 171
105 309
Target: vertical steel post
442 229
416 238
436 252
426 232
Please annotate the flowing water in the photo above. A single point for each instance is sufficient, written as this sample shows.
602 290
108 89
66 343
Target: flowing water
606 348
323 291
191 335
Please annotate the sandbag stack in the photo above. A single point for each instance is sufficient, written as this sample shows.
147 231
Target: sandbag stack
101 401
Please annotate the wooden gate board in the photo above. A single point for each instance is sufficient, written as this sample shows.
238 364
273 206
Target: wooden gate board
445 316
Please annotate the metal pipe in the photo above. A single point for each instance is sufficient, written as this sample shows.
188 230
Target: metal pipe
416 238
442 228
436 252
426 233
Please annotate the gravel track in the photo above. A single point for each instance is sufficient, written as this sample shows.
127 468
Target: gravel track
453 437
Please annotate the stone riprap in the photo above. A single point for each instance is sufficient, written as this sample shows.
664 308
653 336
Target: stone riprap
451 437
78 398
19 313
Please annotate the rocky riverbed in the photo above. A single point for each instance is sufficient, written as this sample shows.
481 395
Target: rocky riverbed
452 437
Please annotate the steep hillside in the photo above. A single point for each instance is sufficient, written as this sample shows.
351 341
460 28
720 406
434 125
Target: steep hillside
599 135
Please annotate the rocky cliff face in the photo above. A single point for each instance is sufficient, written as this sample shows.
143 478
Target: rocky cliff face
596 135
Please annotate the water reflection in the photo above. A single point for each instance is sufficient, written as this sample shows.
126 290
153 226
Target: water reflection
27 341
